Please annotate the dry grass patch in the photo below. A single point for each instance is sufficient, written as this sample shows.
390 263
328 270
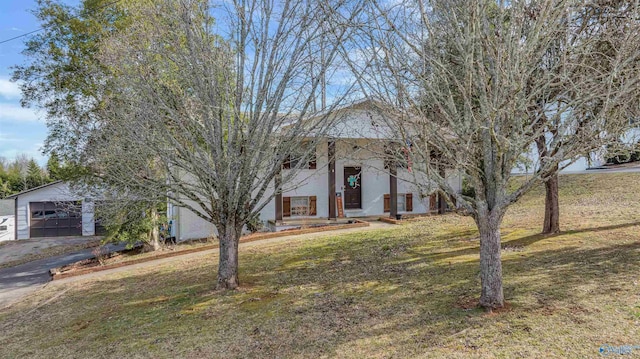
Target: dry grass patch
404 292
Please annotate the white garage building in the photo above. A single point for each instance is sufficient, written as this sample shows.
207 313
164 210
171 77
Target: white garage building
52 210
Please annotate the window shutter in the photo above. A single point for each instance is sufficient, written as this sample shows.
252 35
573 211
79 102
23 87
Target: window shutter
408 199
286 206
433 202
387 203
312 206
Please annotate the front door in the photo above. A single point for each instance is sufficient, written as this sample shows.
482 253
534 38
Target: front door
352 187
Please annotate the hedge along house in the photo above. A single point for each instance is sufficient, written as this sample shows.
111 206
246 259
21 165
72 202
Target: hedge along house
348 168
53 210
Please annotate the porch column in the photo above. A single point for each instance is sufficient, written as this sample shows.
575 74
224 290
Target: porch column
393 190
331 154
278 198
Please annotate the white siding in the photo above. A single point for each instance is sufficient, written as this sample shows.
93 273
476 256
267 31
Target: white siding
307 182
192 226
9 234
88 219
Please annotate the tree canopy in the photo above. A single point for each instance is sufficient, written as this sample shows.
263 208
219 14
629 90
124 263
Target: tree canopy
462 82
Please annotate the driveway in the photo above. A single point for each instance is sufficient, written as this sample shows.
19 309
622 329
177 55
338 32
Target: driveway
15 250
15 282
628 168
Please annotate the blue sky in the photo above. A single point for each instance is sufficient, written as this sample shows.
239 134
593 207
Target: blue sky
21 130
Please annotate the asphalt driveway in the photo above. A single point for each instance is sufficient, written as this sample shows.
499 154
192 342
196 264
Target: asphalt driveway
15 250
20 280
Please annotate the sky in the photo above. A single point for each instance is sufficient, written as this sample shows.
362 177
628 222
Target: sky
22 130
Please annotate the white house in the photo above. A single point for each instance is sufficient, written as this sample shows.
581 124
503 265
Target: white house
348 169
52 210
7 220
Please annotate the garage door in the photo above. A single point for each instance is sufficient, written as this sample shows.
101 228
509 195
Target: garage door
100 229
55 219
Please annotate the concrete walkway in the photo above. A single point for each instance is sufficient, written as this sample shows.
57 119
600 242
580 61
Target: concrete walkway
17 282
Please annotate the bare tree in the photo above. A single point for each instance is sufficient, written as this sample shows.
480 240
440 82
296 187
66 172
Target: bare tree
208 111
460 80
612 18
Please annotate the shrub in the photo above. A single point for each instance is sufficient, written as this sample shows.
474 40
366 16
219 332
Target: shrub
255 224
467 189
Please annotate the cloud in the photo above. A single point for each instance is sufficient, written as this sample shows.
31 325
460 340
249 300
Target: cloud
16 29
9 90
6 137
14 113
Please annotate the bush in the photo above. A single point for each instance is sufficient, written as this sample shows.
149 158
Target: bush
618 159
130 224
255 224
101 253
625 155
467 189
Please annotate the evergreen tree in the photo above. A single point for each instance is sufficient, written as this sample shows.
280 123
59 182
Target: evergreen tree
54 169
34 177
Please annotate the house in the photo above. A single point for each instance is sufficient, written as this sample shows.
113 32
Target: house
348 170
52 210
7 220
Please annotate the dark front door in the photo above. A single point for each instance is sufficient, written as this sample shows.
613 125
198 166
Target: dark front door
55 219
352 187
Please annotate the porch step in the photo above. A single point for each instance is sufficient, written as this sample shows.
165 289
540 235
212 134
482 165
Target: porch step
351 213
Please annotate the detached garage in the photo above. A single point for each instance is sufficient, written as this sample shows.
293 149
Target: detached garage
52 210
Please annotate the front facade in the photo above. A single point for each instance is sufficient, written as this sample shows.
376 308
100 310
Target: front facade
52 210
347 179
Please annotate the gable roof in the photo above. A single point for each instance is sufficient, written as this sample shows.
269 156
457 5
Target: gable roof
13 196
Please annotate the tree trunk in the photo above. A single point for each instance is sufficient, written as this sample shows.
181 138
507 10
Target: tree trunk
551 206
229 235
490 261
154 233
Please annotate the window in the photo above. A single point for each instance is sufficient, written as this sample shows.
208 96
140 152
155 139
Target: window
405 202
399 155
299 206
401 202
293 160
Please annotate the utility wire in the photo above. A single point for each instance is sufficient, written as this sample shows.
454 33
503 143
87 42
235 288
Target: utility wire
71 18
23 35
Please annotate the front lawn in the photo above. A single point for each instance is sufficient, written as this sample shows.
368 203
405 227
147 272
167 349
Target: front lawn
408 291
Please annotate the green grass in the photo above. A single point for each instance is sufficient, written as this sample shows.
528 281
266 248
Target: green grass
408 291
